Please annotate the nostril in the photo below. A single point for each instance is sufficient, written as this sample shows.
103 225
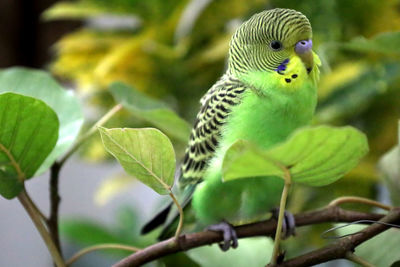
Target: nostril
303 46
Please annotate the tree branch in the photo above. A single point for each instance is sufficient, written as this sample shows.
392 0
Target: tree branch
52 221
340 249
264 228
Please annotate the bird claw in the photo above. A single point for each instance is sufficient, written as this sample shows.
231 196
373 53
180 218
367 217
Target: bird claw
229 234
288 224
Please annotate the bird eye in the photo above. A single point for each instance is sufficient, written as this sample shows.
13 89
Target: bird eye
276 45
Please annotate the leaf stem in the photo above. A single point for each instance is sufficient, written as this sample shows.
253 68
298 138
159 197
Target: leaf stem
282 206
35 217
180 224
90 132
352 199
354 258
87 250
33 205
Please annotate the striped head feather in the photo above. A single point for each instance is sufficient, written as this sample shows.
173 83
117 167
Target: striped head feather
268 40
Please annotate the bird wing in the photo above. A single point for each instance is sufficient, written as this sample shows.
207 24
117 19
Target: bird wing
216 105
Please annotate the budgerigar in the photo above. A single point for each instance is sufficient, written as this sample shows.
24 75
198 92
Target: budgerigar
268 90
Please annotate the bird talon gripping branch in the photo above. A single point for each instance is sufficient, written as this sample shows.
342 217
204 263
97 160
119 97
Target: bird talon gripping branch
229 234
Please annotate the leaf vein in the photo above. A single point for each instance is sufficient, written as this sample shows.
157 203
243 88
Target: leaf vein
167 187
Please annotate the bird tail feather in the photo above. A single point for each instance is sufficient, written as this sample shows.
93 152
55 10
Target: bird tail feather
169 214
157 220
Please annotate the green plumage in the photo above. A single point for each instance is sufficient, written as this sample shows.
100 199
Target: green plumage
263 119
268 91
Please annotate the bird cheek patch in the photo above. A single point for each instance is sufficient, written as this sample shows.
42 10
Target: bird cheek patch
294 74
282 67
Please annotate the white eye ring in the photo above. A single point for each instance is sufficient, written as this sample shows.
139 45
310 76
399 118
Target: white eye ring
276 45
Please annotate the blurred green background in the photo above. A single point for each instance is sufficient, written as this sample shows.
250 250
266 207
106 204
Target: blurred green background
174 50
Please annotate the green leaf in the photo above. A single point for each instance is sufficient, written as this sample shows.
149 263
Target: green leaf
10 186
389 166
351 99
384 43
28 133
125 230
128 222
146 154
41 85
68 10
251 252
315 156
152 11
178 259
86 232
151 110
378 250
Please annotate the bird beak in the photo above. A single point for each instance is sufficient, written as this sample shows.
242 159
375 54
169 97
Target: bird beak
303 49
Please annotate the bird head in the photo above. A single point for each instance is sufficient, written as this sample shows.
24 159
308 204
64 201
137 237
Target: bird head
269 40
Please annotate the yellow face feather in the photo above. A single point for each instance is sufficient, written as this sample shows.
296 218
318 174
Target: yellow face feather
289 80
294 76
296 73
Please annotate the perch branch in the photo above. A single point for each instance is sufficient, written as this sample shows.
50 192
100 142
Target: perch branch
341 248
264 228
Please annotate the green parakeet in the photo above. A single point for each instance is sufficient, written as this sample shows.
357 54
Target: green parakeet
268 91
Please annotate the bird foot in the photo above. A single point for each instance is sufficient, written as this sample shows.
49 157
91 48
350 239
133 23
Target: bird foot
288 224
229 233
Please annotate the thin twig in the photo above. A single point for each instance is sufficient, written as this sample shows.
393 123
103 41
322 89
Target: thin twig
324 236
362 200
35 217
354 258
264 228
87 250
52 221
180 224
282 207
340 249
90 132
